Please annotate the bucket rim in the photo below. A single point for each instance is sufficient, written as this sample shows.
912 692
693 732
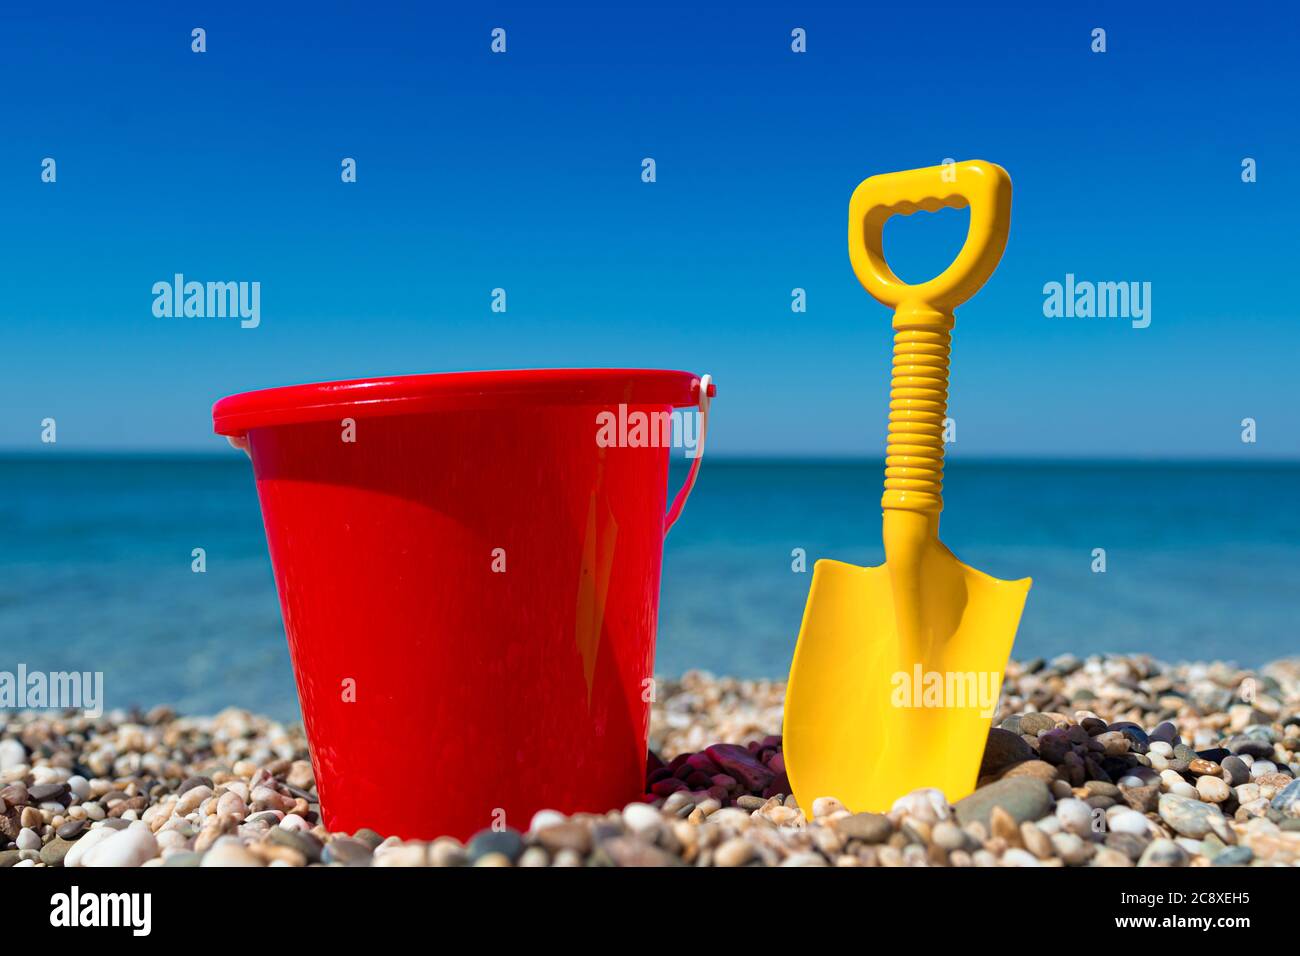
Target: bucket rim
236 414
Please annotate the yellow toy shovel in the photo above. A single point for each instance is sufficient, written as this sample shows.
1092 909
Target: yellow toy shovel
898 668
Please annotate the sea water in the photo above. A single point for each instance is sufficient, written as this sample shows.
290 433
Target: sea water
1200 561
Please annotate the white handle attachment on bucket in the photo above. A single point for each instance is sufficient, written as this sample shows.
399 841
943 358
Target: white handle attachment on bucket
675 512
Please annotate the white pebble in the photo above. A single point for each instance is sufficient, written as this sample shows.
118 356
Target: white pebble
927 804
1212 789
236 786
825 806
545 818
231 803
1075 816
28 839
1129 821
229 852
43 775
294 822
642 817
170 839
1161 748
1261 767
87 843
1018 857
12 754
79 786
1185 789
1169 778
129 847
1049 825
1070 848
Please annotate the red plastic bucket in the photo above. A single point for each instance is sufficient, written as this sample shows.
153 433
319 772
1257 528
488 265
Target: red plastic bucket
469 576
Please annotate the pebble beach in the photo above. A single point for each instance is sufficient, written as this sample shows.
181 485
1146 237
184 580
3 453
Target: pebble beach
1108 761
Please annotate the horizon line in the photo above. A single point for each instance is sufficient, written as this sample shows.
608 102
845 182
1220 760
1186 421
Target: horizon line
830 458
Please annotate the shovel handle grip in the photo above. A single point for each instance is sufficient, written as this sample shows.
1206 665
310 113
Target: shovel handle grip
984 187
923 314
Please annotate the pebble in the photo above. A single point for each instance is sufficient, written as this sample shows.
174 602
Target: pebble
56 851
567 835
1244 746
868 827
633 852
300 841
190 800
734 852
1036 840
546 818
404 855
28 839
1190 818
1071 848
1234 856
825 806
347 851
189 783
947 835
928 804
1165 732
1129 821
1109 857
1235 771
1075 816
1024 798
738 762
1035 725
1212 789
1287 800
1038 769
131 846
506 842
642 818
1003 749
47 792
12 755
79 786
83 846
227 852
1142 799
1164 853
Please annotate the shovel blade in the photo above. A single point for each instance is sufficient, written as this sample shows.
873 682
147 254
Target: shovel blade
869 716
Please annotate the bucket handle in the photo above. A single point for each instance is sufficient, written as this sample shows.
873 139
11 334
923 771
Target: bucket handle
706 391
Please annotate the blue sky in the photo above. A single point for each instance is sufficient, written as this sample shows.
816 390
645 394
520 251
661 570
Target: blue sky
522 171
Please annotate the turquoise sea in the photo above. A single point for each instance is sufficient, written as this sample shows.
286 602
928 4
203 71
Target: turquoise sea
1202 561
